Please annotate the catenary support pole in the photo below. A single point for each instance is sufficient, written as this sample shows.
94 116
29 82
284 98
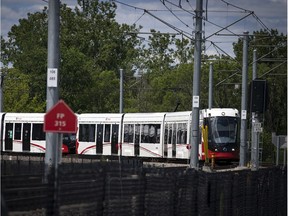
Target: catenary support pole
52 76
1 89
53 142
121 92
196 87
243 131
277 150
210 97
254 71
254 133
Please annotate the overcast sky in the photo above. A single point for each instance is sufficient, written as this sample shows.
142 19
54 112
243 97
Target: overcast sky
270 14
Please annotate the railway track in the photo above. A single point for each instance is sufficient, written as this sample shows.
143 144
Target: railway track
137 161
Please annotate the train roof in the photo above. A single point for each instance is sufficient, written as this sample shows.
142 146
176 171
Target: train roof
24 117
220 112
178 116
100 117
144 117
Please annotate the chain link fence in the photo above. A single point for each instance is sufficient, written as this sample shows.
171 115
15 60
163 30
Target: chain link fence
89 187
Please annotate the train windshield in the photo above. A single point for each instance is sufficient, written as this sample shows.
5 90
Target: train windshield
222 130
69 137
69 140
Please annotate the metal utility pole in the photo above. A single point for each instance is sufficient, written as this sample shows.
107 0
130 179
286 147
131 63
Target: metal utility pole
243 132
1 95
1 90
196 87
255 121
254 75
210 97
52 77
53 151
121 92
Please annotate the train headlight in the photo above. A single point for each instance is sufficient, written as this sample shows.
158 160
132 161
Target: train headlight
216 150
233 149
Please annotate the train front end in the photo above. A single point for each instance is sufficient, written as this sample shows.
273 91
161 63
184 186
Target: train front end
223 133
69 144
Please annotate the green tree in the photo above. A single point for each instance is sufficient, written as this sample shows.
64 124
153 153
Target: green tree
17 93
271 66
26 49
91 41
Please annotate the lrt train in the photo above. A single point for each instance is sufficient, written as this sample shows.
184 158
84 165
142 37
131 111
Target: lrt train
150 135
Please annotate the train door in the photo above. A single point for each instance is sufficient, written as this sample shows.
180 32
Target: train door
137 140
99 140
114 139
129 148
26 137
174 140
9 137
171 140
150 140
87 139
166 135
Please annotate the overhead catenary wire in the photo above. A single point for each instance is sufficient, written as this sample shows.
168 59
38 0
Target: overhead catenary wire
273 68
235 6
226 27
186 34
163 1
139 18
263 25
252 12
189 35
224 52
175 15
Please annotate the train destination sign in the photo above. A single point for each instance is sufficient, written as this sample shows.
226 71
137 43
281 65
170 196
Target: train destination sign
60 119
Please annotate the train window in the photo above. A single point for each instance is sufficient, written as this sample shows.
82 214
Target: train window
145 134
126 129
17 133
9 131
169 133
158 134
137 133
87 132
166 134
8 136
37 132
150 133
182 133
179 133
107 133
129 133
174 133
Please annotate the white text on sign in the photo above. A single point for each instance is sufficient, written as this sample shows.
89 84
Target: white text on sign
52 74
59 122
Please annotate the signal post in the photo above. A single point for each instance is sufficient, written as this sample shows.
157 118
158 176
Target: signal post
58 120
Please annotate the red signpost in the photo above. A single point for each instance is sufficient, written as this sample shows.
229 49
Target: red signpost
60 119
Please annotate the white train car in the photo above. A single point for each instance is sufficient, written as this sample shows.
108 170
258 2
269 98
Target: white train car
22 132
153 135
98 133
176 134
143 134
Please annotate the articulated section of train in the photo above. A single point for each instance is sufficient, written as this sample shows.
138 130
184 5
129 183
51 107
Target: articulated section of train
149 135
